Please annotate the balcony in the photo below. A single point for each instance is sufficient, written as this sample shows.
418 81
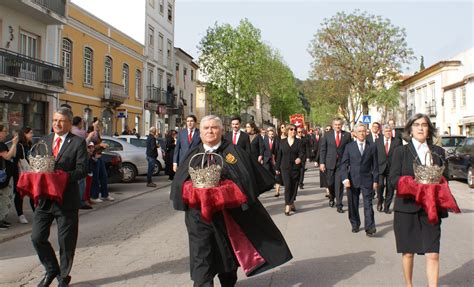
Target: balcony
51 12
431 110
114 93
152 94
18 71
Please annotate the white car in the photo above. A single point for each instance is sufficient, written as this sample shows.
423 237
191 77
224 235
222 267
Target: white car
134 160
140 141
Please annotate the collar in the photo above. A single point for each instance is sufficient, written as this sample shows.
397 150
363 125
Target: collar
211 148
235 132
359 142
63 138
387 139
419 145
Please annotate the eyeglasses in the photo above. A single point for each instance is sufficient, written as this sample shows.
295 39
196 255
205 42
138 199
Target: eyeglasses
326 130
299 132
291 129
417 125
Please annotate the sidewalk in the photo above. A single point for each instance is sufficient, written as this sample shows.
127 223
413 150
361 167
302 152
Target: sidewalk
119 191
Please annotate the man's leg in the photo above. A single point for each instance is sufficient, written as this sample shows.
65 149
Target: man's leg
353 206
151 166
39 236
103 179
68 227
388 197
369 221
228 279
338 188
380 192
330 173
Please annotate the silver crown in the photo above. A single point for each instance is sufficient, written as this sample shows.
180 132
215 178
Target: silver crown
41 162
428 173
206 176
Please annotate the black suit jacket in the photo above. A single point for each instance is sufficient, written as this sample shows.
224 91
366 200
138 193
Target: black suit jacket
384 159
370 137
256 147
330 155
267 152
183 146
363 170
72 158
402 164
288 154
243 142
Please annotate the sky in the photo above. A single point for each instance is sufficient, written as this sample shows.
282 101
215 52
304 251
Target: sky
436 30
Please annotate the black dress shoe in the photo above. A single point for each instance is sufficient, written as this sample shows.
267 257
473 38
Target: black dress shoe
85 206
64 282
340 210
355 229
379 206
301 186
370 232
331 203
47 279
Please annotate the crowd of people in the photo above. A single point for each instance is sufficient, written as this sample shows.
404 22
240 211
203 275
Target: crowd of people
367 162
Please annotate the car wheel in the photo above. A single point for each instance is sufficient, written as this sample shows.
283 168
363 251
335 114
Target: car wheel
129 172
157 169
469 178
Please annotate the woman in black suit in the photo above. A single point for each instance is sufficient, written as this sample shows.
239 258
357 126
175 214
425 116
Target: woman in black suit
413 232
256 142
280 136
289 160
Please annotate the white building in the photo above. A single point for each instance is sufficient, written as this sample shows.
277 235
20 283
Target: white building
30 75
186 71
161 102
444 91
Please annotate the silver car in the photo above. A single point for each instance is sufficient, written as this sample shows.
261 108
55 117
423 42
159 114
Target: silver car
133 158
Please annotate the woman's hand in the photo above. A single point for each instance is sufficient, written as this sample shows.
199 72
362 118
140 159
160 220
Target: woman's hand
277 172
297 161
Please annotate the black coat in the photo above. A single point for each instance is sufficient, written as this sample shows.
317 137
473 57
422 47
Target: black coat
288 154
363 170
267 152
256 147
384 159
243 142
330 155
402 164
252 179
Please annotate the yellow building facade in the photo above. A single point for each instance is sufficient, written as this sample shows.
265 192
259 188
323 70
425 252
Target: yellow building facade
104 73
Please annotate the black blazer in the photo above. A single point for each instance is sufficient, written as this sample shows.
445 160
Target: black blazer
267 152
402 164
330 155
370 137
288 154
384 159
256 147
363 170
73 159
243 142
183 146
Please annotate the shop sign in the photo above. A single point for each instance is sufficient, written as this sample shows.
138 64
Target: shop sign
6 94
121 113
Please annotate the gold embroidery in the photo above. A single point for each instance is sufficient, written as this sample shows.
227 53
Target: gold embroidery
229 158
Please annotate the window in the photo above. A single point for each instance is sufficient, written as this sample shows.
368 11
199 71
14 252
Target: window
185 72
463 97
138 84
162 6
192 75
161 42
170 12
108 71
151 36
150 77
29 47
177 67
125 80
191 103
453 97
160 80
88 65
67 58
151 3
168 54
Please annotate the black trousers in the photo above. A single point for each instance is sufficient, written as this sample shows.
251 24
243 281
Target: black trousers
303 169
68 225
18 200
291 179
385 186
353 195
334 184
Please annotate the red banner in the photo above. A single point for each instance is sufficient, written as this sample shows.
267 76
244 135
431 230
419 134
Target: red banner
297 120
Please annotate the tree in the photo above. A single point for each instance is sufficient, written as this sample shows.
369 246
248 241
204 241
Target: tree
422 63
230 57
362 50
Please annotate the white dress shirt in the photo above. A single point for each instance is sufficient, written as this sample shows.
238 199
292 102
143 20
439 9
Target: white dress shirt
63 139
421 150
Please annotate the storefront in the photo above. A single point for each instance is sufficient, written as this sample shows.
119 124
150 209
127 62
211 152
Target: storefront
24 109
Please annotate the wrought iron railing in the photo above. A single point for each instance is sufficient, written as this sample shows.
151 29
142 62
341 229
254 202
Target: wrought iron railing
431 110
113 92
27 68
57 6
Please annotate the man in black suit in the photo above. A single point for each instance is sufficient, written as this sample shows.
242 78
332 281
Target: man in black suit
300 134
374 134
331 150
396 133
269 150
385 147
187 139
360 174
70 156
236 136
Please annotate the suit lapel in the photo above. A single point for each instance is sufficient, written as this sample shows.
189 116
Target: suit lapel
412 149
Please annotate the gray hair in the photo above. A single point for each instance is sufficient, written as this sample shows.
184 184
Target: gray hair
270 129
152 129
211 118
65 112
387 127
359 125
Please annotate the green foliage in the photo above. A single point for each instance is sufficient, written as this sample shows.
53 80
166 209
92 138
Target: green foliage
362 50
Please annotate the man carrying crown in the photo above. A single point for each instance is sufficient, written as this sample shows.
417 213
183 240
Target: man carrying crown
239 231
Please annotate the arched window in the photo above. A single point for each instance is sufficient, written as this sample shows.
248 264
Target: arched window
66 60
88 65
138 84
125 81
108 71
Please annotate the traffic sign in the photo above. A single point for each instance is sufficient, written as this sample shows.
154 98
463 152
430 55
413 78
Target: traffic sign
122 113
366 119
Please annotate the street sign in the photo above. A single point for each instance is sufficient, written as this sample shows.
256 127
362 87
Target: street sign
366 119
121 113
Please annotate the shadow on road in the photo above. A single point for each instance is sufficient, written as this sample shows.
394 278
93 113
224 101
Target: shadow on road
458 276
314 272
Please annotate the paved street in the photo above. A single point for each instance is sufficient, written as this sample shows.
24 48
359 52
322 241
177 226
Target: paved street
139 240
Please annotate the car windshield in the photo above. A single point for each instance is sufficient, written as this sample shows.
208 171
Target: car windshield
451 141
138 142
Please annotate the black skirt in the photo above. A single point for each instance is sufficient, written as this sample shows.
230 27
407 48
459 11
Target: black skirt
414 234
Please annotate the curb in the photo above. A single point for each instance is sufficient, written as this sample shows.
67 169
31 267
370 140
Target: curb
21 233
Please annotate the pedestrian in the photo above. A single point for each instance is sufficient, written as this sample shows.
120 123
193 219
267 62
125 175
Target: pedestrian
6 173
25 138
236 136
170 146
269 151
413 232
187 139
71 157
256 142
385 147
280 136
78 130
289 160
360 175
151 155
332 149
374 133
323 183
214 247
300 134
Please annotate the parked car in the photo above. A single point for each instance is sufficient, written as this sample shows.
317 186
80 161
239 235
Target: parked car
449 143
113 165
139 141
461 161
133 158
